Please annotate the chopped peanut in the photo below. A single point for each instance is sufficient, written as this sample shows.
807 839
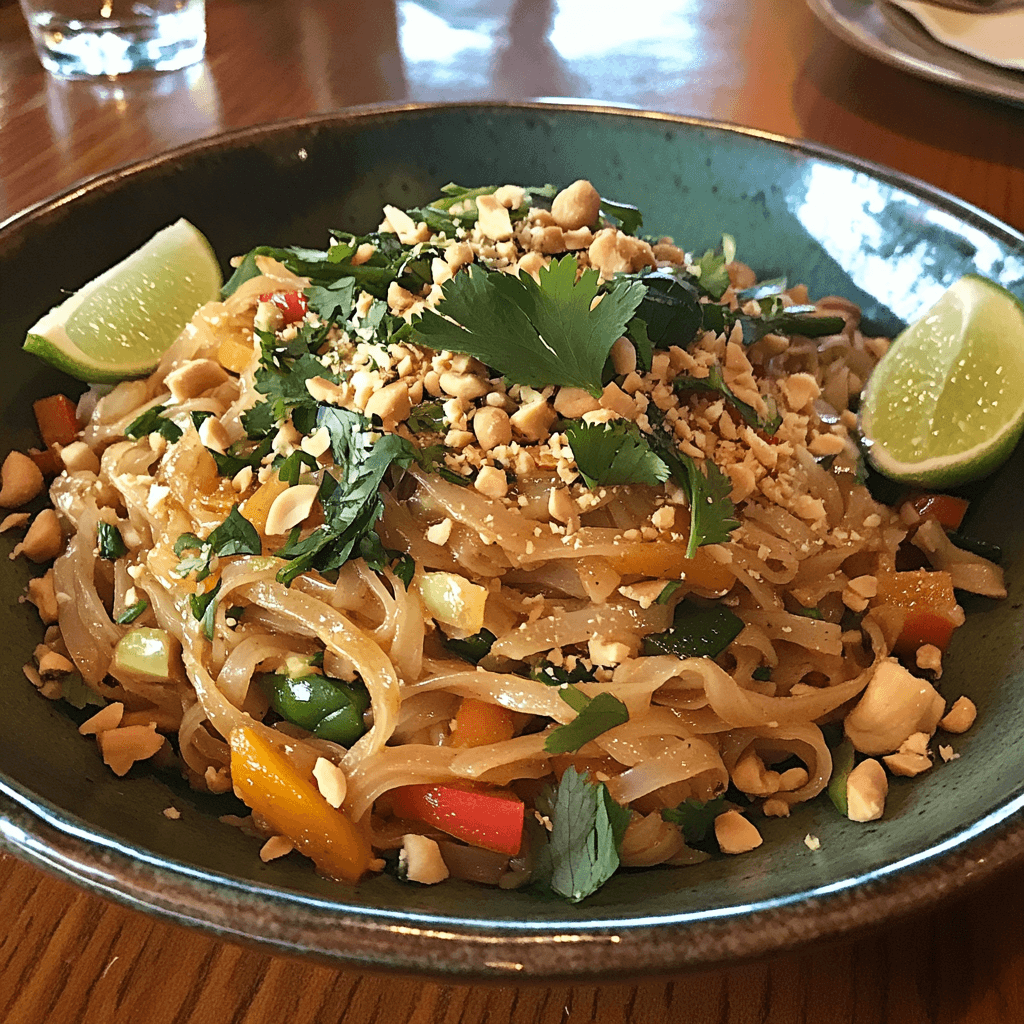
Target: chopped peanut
866 789
960 716
735 834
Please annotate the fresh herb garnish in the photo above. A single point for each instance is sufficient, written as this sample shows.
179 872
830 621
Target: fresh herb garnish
715 382
696 819
711 509
554 675
667 591
235 536
350 499
74 690
713 275
614 453
533 332
796 320
132 612
204 608
470 648
151 422
594 716
842 765
109 541
627 218
427 418
286 393
696 632
587 827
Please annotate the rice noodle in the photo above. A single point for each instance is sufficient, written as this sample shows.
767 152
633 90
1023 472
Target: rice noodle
571 593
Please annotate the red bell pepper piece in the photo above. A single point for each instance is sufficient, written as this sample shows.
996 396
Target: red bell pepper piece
57 421
488 820
292 304
946 508
920 628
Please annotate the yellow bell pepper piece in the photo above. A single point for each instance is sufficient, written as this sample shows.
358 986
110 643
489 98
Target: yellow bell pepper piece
267 781
257 508
235 353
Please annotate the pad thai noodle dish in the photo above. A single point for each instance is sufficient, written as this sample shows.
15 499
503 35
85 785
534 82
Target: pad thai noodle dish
507 543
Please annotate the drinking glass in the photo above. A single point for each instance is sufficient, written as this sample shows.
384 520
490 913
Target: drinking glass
86 38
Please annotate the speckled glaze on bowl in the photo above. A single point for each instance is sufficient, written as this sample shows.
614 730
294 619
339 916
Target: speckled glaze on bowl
840 225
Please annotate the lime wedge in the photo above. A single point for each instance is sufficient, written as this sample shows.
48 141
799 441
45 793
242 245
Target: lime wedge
121 323
946 403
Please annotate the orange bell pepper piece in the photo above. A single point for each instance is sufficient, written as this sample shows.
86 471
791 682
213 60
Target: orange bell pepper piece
267 781
58 422
478 723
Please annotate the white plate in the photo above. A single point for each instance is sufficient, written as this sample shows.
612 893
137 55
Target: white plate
896 38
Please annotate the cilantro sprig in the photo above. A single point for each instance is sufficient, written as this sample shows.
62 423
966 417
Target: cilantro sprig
587 827
536 333
594 716
614 453
715 382
621 454
697 820
235 536
152 422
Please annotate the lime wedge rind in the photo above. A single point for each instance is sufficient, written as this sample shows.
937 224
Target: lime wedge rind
66 357
950 471
120 323
946 403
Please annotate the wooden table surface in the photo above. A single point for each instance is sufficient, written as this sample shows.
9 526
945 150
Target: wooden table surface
66 956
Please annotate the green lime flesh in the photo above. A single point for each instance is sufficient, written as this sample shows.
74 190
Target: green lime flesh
946 403
120 324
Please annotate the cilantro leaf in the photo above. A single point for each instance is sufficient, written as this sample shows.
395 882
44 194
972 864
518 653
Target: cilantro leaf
233 461
74 690
842 764
470 648
132 612
351 500
553 675
286 388
594 716
245 271
403 566
235 536
332 302
628 218
151 422
671 309
535 333
713 277
711 509
204 608
109 541
614 453
427 417
587 826
696 820
796 320
696 632
715 381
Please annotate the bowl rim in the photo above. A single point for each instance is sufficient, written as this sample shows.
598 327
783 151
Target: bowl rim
290 922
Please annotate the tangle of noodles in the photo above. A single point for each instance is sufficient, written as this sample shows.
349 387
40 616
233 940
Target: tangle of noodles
501 545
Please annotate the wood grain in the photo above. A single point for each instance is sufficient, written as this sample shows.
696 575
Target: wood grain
70 958
66 956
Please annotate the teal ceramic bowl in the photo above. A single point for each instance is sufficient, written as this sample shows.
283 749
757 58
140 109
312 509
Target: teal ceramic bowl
840 225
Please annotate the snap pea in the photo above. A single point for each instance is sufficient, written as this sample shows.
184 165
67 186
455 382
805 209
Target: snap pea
328 708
